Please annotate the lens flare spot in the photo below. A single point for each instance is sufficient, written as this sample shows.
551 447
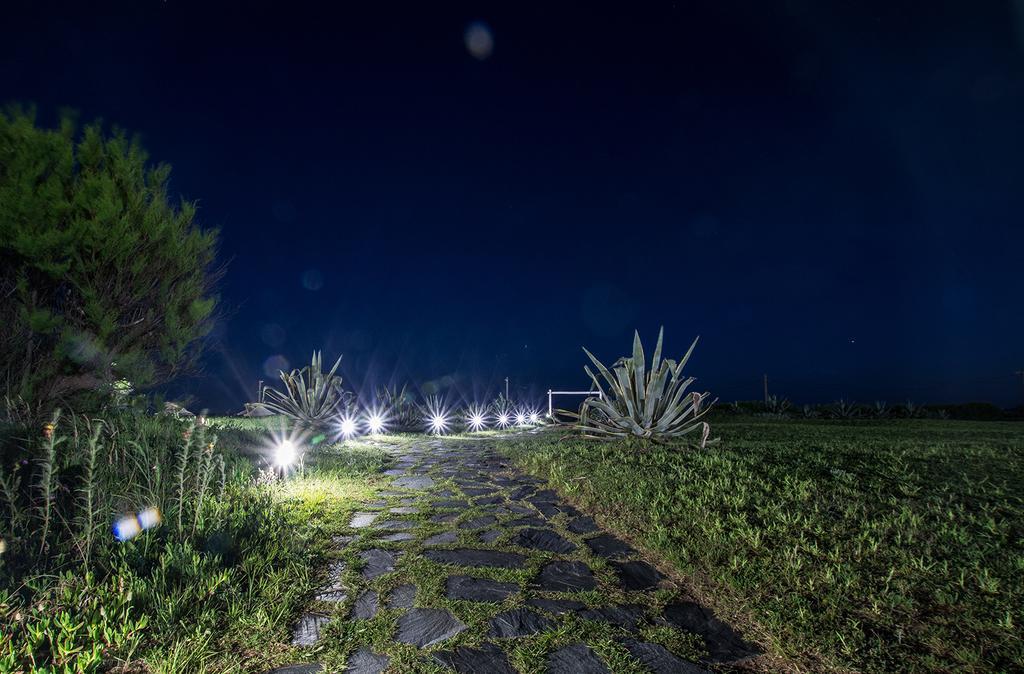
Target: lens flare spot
127 528
479 40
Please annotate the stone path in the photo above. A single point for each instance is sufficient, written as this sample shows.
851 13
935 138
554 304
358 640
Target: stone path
467 565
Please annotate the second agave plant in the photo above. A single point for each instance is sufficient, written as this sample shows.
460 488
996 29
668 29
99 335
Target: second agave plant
644 403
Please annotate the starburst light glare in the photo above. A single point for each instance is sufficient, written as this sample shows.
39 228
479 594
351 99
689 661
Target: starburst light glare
285 454
375 422
347 426
438 423
503 420
534 418
520 419
475 419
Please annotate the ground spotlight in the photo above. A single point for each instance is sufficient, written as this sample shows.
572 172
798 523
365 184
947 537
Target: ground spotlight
375 422
347 426
534 418
503 420
438 423
476 419
285 454
520 418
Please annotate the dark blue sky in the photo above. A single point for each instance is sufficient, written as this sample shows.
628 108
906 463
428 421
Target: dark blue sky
831 193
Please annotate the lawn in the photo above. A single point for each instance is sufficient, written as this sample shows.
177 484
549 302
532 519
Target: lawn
872 546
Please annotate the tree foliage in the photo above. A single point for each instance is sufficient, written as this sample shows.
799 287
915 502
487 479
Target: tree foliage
102 276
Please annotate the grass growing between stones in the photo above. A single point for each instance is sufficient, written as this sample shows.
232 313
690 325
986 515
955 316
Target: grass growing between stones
874 546
460 506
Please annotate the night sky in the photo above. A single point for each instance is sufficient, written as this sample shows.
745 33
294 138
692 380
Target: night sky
827 192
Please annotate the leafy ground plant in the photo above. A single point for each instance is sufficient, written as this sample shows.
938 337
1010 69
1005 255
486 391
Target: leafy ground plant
310 397
858 546
641 403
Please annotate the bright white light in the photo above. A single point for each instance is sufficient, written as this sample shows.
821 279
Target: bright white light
534 418
285 454
347 427
438 423
503 420
476 422
520 419
375 423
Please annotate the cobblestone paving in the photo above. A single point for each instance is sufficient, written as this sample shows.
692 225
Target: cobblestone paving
468 565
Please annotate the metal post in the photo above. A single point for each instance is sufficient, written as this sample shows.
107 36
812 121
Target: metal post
766 389
549 404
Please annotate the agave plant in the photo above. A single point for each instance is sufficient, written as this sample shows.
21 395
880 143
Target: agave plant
402 412
845 410
913 411
881 410
809 412
640 402
776 407
310 397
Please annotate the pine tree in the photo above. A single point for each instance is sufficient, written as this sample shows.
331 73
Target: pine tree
102 277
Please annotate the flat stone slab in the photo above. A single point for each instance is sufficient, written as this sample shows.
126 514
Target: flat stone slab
489 500
637 575
660 660
310 668
442 539
366 606
450 503
414 482
362 520
470 557
521 492
479 589
402 596
365 661
566 577
341 541
479 491
378 562
398 525
576 659
724 644
307 630
398 538
628 617
557 606
479 522
488 659
424 627
583 525
444 518
403 510
542 539
609 546
518 622
490 535
531 521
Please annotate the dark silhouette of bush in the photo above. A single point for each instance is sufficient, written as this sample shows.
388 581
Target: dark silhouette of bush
103 279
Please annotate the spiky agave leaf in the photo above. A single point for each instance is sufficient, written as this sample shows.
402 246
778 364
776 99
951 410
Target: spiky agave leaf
649 403
309 403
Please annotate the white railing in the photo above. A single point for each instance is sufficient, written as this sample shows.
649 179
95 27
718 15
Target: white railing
551 409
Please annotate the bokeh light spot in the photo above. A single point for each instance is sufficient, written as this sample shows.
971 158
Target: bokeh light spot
479 40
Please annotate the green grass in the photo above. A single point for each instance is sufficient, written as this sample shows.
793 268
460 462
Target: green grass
872 546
